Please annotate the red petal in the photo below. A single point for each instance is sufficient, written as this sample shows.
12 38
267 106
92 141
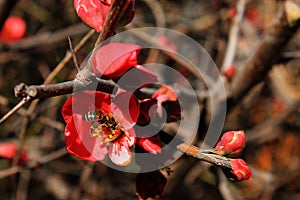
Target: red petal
92 12
151 144
114 59
81 144
120 154
126 109
130 137
137 77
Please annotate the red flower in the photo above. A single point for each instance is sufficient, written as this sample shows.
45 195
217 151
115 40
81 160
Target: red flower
9 149
94 12
14 29
90 130
232 142
240 171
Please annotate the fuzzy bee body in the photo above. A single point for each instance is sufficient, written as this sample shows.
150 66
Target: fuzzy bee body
92 116
103 125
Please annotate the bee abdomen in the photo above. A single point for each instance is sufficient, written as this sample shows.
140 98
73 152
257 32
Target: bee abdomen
91 116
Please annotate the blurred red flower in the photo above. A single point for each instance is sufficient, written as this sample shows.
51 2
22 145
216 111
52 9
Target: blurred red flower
9 149
94 12
112 128
14 29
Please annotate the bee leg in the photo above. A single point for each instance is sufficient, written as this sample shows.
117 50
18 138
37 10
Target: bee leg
93 129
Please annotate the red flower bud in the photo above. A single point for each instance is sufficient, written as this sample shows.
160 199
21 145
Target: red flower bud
229 72
14 29
232 143
240 171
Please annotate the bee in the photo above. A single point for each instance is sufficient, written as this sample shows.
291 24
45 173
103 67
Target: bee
103 125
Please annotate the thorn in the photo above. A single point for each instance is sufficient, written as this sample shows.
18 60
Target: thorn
73 54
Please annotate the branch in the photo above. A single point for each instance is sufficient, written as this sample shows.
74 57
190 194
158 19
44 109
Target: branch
196 152
191 150
116 11
46 91
267 53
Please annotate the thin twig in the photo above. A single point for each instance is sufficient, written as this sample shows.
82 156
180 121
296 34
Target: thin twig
68 56
15 109
73 54
233 35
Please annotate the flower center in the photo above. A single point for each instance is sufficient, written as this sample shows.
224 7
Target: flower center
104 126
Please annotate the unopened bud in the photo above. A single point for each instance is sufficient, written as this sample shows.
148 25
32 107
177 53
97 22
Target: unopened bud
232 143
240 170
